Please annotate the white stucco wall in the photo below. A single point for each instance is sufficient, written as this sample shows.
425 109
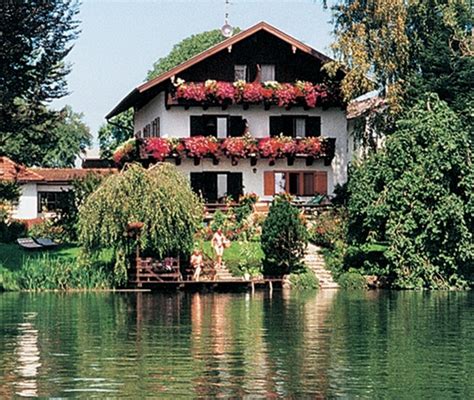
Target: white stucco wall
27 207
252 176
175 122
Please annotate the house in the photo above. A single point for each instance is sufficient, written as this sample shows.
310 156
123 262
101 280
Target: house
259 84
41 189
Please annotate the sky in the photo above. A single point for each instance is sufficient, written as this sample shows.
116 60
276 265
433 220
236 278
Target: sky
121 39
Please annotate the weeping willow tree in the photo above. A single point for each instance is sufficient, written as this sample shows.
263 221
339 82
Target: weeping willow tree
160 198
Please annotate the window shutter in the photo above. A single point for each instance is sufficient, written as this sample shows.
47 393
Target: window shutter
268 183
236 126
321 182
197 126
313 126
275 126
234 185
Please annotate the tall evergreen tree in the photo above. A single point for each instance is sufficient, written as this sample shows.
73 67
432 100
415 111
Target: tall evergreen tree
35 38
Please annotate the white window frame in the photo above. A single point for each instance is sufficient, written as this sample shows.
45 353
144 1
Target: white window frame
239 70
267 72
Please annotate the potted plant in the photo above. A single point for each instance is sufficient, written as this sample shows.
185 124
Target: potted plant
158 148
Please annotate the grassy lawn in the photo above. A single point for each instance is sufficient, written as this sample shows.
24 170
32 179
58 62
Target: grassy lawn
13 256
235 255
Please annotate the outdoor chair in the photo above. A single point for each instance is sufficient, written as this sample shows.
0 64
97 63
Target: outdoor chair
46 242
29 244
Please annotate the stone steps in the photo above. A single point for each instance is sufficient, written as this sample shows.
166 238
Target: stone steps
314 260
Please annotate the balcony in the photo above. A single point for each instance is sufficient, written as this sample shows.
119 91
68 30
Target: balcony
223 94
152 150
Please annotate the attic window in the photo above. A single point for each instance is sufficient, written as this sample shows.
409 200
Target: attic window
268 72
240 72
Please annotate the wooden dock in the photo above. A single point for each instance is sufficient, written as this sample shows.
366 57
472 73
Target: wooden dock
213 286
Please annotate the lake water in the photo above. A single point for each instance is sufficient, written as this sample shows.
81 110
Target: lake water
324 344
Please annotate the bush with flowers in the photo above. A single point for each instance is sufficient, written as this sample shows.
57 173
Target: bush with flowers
277 147
311 146
270 92
201 146
239 147
158 148
126 152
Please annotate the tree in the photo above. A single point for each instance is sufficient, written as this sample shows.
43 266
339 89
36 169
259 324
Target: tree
72 137
186 49
116 131
34 40
396 42
120 128
284 238
418 196
159 197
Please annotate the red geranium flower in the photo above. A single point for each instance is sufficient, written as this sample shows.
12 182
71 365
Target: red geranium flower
158 148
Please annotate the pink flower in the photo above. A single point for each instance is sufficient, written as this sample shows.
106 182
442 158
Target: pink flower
158 148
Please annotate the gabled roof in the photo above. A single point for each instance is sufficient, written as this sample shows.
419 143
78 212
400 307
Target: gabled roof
134 95
11 171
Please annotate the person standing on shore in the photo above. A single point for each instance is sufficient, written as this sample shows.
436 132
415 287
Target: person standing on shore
219 243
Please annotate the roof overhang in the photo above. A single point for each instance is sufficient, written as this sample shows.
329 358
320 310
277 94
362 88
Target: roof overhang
137 94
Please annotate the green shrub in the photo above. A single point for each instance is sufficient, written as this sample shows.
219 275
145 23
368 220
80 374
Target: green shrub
417 195
303 280
8 280
159 199
352 279
12 230
284 238
328 226
47 228
53 273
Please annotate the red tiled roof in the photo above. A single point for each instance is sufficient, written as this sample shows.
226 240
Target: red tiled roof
69 174
134 95
11 171
358 108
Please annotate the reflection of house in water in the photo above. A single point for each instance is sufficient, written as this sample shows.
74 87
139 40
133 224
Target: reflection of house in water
28 358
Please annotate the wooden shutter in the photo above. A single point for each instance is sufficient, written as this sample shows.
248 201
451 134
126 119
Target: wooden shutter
275 126
236 126
197 126
234 185
313 126
196 182
268 183
321 182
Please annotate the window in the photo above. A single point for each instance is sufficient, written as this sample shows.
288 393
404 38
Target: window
295 125
280 182
50 201
220 126
214 186
300 183
147 131
268 72
240 72
155 128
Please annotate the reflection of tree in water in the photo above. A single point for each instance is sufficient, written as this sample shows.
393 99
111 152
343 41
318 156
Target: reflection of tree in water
389 344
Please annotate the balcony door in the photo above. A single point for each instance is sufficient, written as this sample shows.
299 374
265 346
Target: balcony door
214 186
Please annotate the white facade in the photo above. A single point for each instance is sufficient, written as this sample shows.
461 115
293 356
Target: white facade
175 123
27 207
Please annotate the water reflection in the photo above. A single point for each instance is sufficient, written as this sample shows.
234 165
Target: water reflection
320 345
28 357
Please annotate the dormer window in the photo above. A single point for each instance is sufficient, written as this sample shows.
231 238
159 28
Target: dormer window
240 73
268 72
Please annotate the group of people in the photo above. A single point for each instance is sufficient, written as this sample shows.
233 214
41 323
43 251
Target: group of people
219 242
